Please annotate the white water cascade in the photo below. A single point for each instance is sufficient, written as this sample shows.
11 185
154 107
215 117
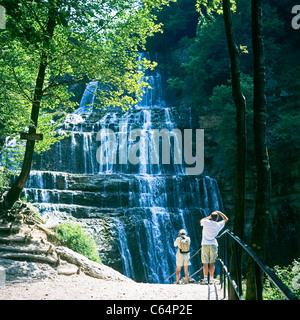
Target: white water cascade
134 210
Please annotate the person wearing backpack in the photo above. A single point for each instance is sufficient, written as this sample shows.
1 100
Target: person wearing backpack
183 255
209 244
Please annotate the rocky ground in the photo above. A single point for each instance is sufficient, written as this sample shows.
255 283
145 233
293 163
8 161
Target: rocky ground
33 267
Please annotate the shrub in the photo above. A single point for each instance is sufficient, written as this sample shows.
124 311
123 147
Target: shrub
74 236
290 276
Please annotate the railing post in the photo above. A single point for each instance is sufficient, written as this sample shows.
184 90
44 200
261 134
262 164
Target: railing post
228 264
238 268
220 257
258 281
224 273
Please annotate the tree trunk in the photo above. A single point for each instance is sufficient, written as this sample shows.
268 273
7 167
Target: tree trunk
241 137
14 192
16 189
262 201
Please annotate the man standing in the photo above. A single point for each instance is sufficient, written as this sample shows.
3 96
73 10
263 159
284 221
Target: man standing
209 250
183 255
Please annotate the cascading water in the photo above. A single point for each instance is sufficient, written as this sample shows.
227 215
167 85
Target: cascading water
133 210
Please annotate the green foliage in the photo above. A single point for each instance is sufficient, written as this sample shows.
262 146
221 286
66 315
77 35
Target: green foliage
212 6
222 102
4 177
289 275
74 236
203 62
178 20
207 63
91 40
201 78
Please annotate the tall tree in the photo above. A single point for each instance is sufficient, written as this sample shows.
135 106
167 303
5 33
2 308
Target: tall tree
241 134
263 180
16 189
97 39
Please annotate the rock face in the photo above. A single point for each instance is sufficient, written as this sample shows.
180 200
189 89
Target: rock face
133 210
25 252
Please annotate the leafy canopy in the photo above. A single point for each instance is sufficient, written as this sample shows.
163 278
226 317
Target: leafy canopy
211 6
92 40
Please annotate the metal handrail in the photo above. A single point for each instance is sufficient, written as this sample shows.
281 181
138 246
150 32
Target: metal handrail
258 263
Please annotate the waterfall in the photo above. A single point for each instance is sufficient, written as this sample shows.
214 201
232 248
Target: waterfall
88 98
133 208
124 250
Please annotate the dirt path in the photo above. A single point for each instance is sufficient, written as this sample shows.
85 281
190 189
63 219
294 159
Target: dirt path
82 287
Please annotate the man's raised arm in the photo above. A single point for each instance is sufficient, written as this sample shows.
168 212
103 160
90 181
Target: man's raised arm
224 217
